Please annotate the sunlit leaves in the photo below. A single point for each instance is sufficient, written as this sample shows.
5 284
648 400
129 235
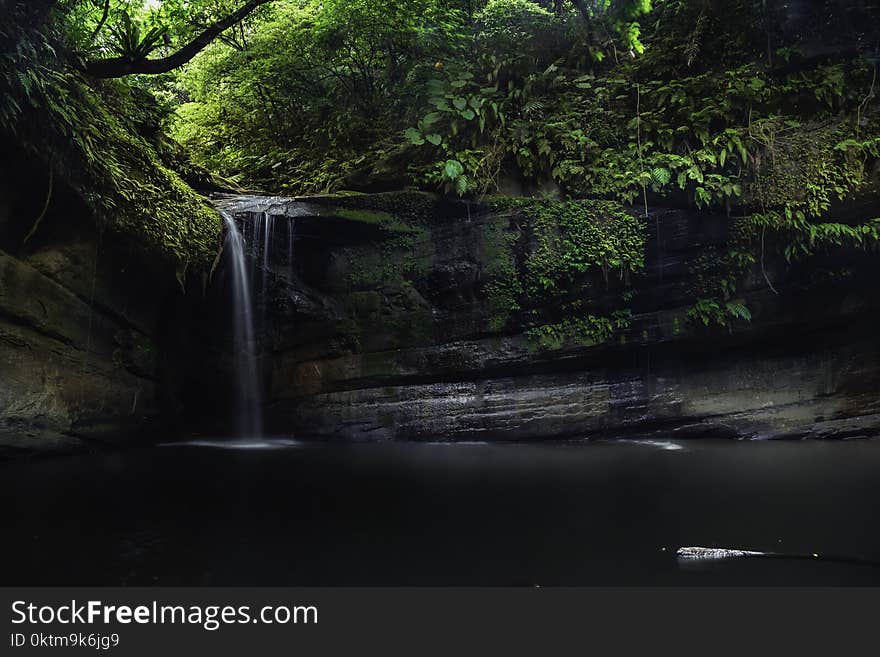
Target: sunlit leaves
414 136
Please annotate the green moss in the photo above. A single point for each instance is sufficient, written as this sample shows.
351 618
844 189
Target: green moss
367 269
587 331
503 288
383 220
549 266
129 187
410 208
89 135
365 216
399 258
404 217
571 238
798 178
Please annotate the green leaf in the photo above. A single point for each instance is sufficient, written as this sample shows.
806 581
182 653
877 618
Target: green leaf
452 169
702 196
459 102
738 309
414 136
661 176
434 139
846 144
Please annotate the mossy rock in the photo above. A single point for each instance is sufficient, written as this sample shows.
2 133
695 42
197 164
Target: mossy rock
92 136
410 208
545 258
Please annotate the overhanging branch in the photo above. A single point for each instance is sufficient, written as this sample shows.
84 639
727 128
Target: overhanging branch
116 67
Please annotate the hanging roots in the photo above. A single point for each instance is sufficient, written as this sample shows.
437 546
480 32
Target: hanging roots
42 214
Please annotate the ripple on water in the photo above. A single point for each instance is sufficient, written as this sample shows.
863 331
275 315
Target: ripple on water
666 445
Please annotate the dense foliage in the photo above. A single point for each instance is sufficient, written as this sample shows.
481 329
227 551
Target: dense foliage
730 107
738 107
323 95
104 141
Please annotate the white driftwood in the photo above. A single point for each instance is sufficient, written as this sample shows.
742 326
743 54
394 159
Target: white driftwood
713 554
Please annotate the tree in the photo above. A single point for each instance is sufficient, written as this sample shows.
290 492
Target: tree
136 60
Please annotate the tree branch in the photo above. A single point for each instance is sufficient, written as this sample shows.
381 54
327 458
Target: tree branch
116 67
101 22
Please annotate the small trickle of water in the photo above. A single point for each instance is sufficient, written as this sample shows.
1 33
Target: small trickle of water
291 232
267 222
248 402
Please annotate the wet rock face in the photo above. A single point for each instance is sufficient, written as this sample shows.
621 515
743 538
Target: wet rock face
377 332
380 320
80 329
776 396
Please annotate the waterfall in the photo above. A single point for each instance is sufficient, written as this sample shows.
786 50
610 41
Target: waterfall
248 401
249 257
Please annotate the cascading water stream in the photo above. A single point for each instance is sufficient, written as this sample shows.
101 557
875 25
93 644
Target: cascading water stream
249 258
248 398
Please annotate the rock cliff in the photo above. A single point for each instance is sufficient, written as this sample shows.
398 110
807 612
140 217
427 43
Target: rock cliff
382 320
83 317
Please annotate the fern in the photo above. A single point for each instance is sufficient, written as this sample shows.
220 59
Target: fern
738 310
533 106
129 43
661 176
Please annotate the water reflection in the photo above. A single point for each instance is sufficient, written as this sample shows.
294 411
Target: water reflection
242 443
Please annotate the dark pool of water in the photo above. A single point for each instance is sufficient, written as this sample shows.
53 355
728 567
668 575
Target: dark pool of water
468 514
